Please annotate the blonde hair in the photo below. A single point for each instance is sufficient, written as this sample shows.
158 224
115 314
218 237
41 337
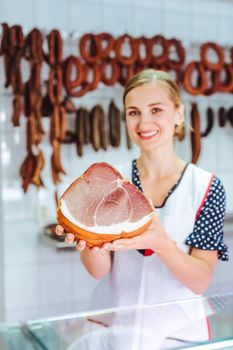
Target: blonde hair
164 79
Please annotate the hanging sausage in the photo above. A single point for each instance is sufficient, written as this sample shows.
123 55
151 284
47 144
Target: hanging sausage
175 48
144 44
106 59
204 50
209 122
195 133
132 44
201 81
80 122
230 116
97 128
222 117
114 119
225 83
113 77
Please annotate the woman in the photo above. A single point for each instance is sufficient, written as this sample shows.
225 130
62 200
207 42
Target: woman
175 257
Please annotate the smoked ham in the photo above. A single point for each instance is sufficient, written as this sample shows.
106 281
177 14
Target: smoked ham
101 206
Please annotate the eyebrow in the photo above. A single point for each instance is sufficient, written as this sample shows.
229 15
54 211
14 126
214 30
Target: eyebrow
155 104
150 105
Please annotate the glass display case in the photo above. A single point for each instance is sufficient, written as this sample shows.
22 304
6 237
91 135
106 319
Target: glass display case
144 327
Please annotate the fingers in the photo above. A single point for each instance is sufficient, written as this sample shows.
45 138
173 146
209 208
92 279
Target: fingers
81 245
127 243
59 230
95 249
70 238
107 246
98 249
123 244
102 249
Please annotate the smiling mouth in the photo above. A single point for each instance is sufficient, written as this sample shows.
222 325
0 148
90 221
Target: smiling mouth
146 135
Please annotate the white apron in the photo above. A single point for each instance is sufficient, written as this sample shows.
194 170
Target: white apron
144 280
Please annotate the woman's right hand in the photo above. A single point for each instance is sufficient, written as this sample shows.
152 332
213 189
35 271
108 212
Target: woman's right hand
97 260
81 245
70 238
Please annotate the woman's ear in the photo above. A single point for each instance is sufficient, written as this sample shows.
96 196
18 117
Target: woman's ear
180 115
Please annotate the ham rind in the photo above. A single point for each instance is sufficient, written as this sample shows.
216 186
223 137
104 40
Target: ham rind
101 197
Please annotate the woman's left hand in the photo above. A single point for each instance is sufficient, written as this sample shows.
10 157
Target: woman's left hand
152 238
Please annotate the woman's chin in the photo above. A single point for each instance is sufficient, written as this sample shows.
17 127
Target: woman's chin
147 146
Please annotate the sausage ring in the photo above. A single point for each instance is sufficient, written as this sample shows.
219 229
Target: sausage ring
105 38
126 73
226 85
180 52
212 83
163 57
133 43
93 71
202 81
86 85
115 71
90 48
219 52
147 43
72 63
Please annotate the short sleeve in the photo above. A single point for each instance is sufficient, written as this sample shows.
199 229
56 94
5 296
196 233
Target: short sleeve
208 229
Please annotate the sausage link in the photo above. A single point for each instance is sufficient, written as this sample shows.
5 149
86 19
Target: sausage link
222 117
17 110
210 122
195 133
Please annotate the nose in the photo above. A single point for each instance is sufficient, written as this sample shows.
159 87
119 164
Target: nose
145 117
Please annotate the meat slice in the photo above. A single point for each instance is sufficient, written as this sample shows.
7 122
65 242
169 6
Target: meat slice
138 202
101 206
114 208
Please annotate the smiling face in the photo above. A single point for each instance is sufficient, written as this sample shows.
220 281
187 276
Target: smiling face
151 116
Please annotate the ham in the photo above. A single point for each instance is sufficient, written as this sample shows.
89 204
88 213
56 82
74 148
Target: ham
101 206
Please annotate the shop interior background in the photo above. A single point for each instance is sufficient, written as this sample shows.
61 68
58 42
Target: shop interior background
36 279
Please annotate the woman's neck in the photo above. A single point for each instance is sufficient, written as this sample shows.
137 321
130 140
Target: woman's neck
157 165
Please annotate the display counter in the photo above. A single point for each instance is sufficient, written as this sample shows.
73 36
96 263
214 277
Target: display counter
144 327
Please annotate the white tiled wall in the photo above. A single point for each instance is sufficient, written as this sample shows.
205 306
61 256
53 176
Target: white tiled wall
36 280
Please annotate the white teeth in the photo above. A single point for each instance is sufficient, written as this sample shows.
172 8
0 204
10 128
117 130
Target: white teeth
148 133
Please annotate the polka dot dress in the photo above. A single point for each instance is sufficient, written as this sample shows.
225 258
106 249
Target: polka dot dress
208 229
